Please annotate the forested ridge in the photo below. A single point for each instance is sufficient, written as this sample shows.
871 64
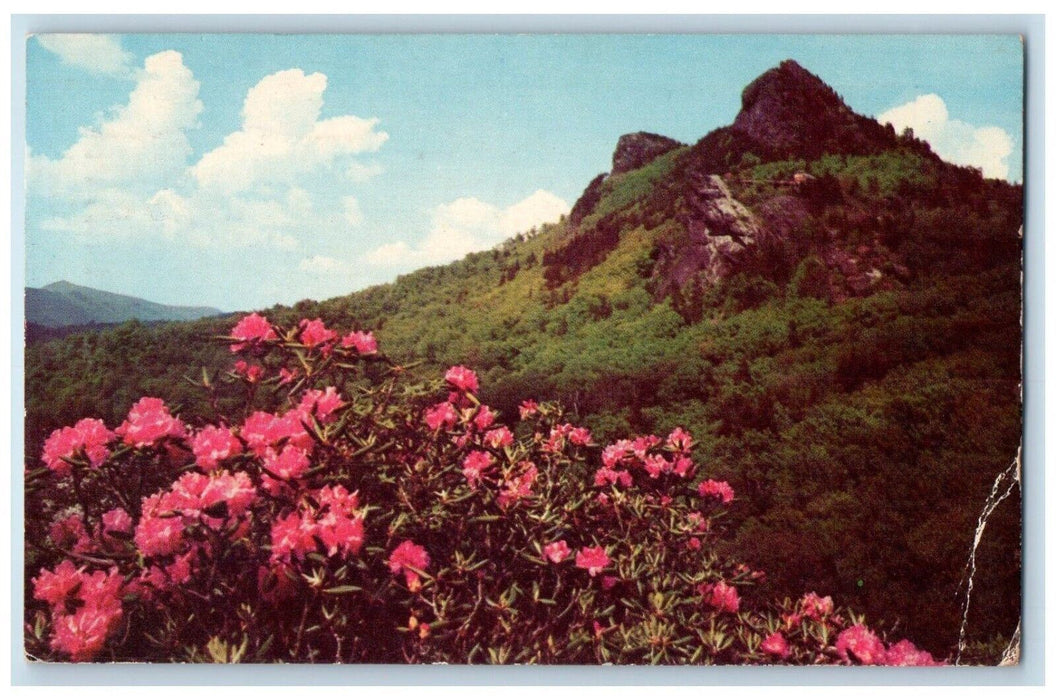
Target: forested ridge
836 320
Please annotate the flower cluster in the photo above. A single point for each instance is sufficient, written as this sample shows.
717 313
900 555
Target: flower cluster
251 332
407 557
859 644
194 499
149 422
85 607
89 435
656 457
328 518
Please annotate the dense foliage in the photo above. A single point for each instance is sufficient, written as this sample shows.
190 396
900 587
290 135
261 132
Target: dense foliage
342 511
857 378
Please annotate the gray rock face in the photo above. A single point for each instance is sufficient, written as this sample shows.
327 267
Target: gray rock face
637 149
718 230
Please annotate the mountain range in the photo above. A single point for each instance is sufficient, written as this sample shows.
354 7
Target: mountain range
66 304
829 308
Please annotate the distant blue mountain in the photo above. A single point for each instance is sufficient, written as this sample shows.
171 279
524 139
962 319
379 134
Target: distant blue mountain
66 304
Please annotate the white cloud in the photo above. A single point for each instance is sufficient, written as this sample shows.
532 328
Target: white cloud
143 144
986 147
281 181
467 224
96 53
282 137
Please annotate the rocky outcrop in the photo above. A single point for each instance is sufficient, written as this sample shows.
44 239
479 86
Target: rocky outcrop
718 229
638 149
795 114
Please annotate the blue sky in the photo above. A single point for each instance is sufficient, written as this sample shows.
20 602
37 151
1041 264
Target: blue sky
240 171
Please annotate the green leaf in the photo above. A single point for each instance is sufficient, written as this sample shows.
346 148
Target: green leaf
341 590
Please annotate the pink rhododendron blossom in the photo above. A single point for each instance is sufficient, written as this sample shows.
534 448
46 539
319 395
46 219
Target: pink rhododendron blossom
180 570
364 343
117 520
605 476
332 519
263 430
484 419
191 498
82 633
442 415
776 645
85 608
157 536
251 373
721 596
615 453
905 653
286 376
815 607
528 408
518 487
696 522
54 586
580 436
212 444
290 463
656 465
679 440
499 437
462 378
474 466
593 559
557 552
252 330
683 467
236 490
292 536
315 333
149 422
641 445
716 489
859 643
323 404
555 443
409 554
338 525
693 544
88 434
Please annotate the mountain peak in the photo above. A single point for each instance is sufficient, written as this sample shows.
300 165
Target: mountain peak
60 286
795 113
64 303
635 150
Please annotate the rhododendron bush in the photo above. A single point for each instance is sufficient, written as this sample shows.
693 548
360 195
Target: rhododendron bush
349 511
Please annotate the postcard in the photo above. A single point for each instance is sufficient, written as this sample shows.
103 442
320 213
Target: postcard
681 349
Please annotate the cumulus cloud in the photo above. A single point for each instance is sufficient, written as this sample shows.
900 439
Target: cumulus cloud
142 145
468 224
96 53
985 147
282 136
278 181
